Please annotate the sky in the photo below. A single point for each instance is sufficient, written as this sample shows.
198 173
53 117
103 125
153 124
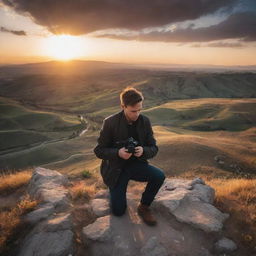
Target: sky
212 32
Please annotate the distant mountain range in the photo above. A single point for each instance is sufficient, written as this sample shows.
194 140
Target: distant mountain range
78 66
79 86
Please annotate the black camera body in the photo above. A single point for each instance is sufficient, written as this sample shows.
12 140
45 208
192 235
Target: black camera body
130 144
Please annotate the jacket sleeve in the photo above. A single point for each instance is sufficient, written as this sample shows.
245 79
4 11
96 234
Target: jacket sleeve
104 149
150 148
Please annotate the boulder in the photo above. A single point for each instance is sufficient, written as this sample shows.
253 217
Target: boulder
100 207
225 245
52 234
100 230
48 187
190 201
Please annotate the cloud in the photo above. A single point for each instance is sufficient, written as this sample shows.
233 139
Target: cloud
225 44
15 32
219 44
85 16
237 26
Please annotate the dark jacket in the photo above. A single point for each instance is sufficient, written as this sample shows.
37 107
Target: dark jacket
115 129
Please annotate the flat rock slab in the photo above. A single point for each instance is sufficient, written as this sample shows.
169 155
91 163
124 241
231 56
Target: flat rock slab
49 244
153 248
50 237
43 212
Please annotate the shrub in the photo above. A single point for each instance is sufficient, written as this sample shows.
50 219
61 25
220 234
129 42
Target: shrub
86 174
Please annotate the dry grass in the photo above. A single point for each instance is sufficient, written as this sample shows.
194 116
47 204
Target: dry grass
11 182
10 220
238 197
243 190
80 190
235 195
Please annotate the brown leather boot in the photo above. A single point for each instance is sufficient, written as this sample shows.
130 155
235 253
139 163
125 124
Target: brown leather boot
145 212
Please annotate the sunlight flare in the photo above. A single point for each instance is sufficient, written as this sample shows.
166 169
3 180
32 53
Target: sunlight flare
63 47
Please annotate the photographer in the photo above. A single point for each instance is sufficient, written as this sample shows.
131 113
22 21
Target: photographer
125 143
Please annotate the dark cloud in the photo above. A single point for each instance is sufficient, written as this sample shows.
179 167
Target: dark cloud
84 16
15 32
236 26
6 2
219 44
225 44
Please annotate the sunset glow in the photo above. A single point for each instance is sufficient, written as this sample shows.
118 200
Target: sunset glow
63 47
174 33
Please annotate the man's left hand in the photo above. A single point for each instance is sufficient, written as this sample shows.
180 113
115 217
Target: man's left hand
138 151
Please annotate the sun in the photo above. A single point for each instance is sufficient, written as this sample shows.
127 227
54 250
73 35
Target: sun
63 47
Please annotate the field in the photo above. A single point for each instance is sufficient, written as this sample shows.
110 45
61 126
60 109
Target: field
198 116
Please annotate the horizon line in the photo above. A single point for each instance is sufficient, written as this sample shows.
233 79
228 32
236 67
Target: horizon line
126 63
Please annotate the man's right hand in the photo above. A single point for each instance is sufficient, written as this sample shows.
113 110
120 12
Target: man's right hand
124 154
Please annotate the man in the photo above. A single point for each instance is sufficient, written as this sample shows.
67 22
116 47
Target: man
121 163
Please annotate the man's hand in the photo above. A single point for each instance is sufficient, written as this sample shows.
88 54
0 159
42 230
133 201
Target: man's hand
138 151
122 152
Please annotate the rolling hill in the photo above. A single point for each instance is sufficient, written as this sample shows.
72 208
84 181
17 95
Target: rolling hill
197 117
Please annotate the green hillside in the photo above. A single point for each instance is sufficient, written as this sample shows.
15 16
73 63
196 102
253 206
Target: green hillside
26 130
205 114
41 106
82 93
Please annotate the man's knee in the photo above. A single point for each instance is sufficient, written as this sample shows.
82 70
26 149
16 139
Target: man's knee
163 176
160 176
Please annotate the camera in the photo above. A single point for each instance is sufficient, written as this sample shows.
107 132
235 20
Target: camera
129 144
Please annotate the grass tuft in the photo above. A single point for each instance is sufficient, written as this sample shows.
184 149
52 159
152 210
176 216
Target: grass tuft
10 220
12 181
82 191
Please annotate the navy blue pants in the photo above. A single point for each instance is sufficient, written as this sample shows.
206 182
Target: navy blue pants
138 171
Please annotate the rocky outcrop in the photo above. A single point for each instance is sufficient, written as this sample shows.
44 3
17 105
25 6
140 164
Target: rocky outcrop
52 232
188 224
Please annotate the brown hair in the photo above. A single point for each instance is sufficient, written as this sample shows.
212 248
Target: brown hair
130 96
